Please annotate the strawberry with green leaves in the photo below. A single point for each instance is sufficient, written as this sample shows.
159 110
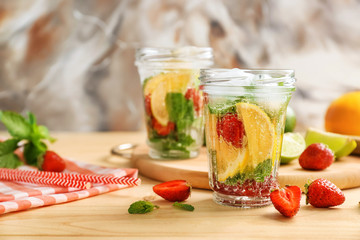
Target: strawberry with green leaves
29 134
322 193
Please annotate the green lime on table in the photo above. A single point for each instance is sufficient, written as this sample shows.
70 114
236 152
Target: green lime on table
290 122
293 145
341 145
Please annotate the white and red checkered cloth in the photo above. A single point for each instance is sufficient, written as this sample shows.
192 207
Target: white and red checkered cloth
17 196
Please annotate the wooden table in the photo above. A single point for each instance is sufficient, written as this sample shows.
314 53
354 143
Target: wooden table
105 216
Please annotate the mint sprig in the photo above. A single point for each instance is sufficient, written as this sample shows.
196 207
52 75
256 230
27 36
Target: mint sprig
184 206
141 207
26 131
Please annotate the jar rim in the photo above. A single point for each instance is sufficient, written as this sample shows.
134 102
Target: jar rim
248 77
180 54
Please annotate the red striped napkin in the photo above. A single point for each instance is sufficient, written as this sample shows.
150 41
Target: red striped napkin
16 196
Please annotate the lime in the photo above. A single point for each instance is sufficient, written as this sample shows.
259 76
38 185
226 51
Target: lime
260 132
162 84
290 122
341 145
292 147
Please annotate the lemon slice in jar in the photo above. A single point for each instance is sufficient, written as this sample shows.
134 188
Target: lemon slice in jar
259 130
161 86
229 159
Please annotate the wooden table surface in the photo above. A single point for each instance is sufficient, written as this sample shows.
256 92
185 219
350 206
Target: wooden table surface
105 216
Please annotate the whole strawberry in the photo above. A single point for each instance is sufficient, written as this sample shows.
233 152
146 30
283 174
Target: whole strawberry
316 156
286 200
322 193
231 129
52 162
176 190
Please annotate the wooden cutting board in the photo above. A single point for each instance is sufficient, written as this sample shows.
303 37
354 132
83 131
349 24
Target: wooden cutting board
345 172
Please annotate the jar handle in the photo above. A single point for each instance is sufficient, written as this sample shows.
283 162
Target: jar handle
119 150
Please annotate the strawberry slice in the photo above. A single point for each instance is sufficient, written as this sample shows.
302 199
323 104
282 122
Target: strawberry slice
287 200
195 95
147 104
176 190
322 193
231 129
163 130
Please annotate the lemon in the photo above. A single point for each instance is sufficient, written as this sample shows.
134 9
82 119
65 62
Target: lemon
229 160
162 84
341 145
152 83
292 147
259 130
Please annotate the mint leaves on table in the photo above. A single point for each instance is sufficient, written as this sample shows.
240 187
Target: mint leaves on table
184 206
141 207
26 131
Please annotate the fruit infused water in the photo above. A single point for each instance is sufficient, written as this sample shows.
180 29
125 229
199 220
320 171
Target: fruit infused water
244 124
172 99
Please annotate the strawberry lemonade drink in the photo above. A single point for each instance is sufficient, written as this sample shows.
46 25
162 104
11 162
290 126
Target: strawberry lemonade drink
244 124
172 100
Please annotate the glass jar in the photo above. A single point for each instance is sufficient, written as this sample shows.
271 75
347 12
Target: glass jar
244 125
172 99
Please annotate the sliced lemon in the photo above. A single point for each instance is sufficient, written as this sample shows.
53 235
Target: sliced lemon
152 83
230 160
163 84
210 128
259 130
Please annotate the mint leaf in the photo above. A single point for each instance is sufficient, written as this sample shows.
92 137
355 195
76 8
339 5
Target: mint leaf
16 124
8 146
38 131
9 160
141 207
32 118
32 150
7 157
263 170
184 206
43 133
180 109
221 109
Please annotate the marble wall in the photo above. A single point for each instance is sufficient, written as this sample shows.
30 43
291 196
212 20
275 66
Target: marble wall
71 62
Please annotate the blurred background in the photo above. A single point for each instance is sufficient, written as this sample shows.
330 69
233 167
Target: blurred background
71 62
